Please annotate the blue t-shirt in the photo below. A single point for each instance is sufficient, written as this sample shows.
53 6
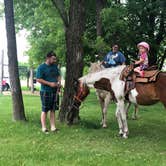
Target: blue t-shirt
48 73
114 59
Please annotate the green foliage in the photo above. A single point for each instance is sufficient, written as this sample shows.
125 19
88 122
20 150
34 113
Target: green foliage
100 46
114 24
133 22
146 22
94 47
41 19
86 70
126 24
1 9
23 72
87 143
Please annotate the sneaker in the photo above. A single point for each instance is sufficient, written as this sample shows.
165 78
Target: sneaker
55 130
45 131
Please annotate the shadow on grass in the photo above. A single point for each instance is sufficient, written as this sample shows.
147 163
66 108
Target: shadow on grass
89 124
153 130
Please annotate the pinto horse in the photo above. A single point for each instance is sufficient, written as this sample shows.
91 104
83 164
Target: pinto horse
105 97
107 79
142 94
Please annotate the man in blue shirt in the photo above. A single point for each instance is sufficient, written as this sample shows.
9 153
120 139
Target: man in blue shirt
114 58
49 78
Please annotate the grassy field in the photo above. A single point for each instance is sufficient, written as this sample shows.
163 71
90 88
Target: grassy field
85 144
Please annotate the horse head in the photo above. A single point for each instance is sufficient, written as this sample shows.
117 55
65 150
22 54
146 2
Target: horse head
81 92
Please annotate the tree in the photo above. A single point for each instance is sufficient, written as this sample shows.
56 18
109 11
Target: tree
74 27
18 106
100 4
1 71
1 9
135 21
147 21
45 29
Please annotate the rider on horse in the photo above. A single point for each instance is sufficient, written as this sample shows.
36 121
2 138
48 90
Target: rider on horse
114 58
143 48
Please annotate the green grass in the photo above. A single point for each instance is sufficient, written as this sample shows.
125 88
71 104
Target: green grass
25 88
85 144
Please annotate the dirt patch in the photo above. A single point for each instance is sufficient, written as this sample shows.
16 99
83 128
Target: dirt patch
36 93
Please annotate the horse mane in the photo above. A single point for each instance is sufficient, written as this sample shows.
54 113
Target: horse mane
108 73
96 66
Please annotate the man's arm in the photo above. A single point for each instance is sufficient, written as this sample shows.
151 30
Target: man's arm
59 81
122 58
44 82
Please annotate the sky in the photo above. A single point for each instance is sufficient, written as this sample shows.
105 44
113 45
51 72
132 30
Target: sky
22 44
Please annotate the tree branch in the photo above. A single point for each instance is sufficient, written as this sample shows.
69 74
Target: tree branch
59 4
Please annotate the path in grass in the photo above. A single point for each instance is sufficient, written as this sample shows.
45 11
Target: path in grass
83 144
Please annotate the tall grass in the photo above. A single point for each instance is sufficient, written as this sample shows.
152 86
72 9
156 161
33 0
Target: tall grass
23 143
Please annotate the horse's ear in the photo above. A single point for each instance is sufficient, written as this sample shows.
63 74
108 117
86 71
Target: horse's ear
99 62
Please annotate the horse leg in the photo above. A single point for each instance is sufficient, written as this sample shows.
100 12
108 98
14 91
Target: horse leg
127 108
118 116
121 107
104 117
106 103
102 109
135 113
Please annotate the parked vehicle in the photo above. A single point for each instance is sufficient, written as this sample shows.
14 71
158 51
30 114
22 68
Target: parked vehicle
5 85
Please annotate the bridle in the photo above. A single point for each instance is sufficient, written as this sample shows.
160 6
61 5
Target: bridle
80 93
78 98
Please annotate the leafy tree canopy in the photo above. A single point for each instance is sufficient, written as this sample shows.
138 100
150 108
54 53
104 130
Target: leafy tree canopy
126 24
46 29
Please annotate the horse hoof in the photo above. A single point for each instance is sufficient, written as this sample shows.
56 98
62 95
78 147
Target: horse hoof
120 134
125 136
134 118
104 126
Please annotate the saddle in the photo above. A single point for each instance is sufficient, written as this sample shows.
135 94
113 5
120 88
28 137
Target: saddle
131 78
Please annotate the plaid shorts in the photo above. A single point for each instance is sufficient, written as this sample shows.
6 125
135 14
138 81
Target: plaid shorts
49 100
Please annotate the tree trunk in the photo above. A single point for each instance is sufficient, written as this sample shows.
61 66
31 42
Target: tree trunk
31 80
17 100
99 6
1 71
74 54
28 75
